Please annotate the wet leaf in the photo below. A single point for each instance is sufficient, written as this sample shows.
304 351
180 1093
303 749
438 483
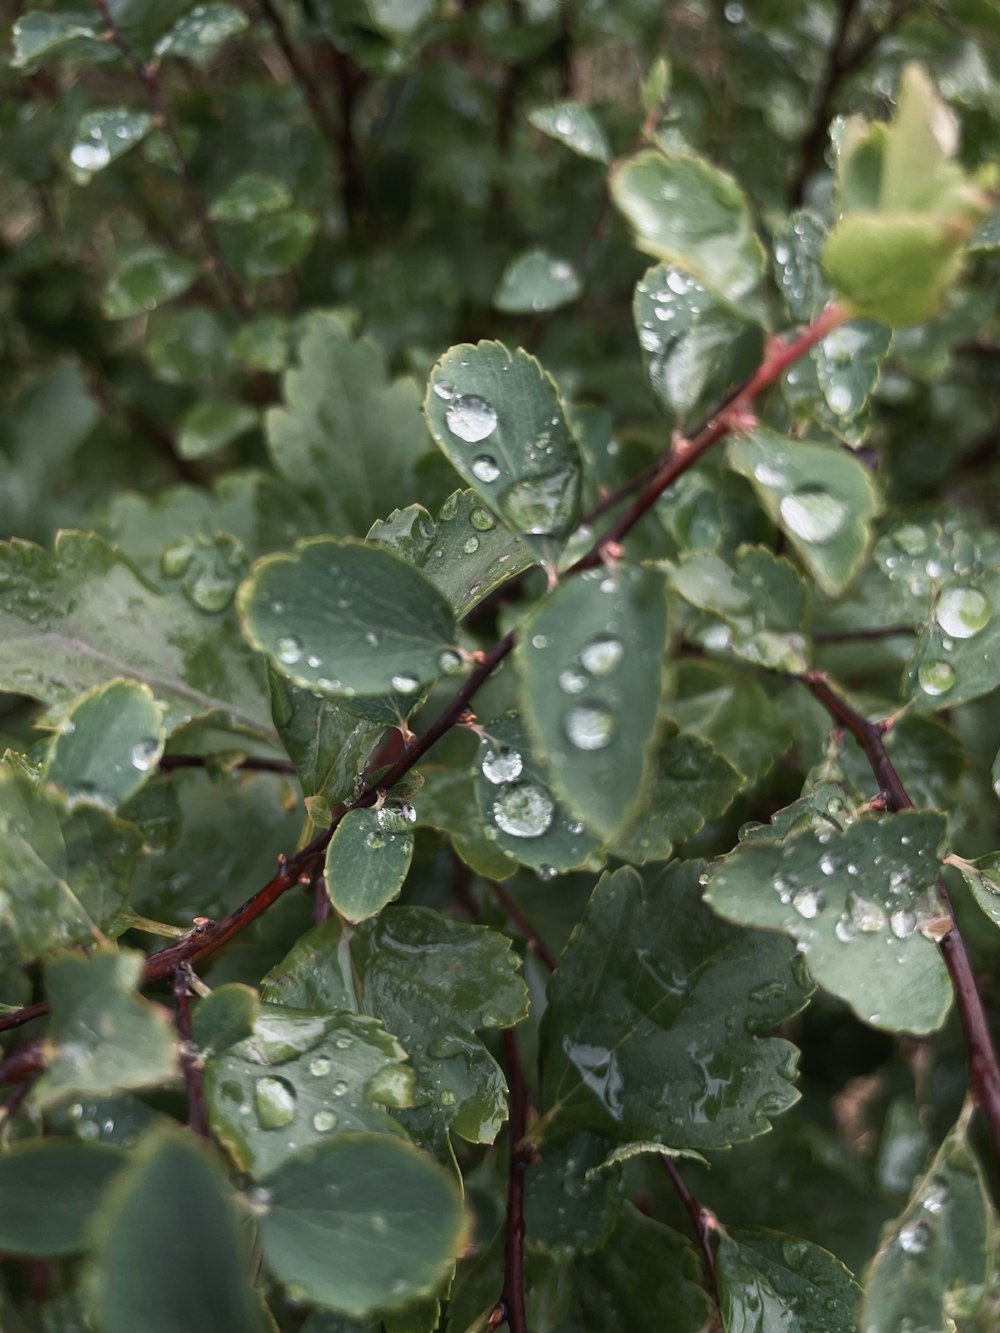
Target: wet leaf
537 281
107 744
321 611
821 498
212 424
731 710
857 903
50 1190
362 1223
589 661
367 861
145 278
957 656
270 245
327 744
498 418
102 136
650 981
573 125
568 1212
300 1078
448 803
38 35
772 1281
198 34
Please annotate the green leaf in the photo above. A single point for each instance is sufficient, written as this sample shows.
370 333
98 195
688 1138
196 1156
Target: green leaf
567 1211
957 657
691 215
300 1078
363 1223
50 1189
759 600
589 660
731 710
182 1264
464 552
650 981
312 975
348 437
145 278
772 1281
822 499
516 806
64 874
270 245
367 861
537 281
399 19
251 196
213 423
345 618
38 36
983 878
498 418
102 1035
102 136
224 1018
448 803
187 346
691 783
327 745
936 1265
107 744
83 617
262 343
849 365
572 124
694 347
857 904
198 34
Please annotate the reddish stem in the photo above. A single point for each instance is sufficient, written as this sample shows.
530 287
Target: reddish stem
190 1062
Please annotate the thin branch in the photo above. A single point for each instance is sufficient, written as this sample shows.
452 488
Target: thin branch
702 1219
248 764
532 938
509 1309
303 76
190 1061
147 76
983 1068
27 1061
814 140
852 635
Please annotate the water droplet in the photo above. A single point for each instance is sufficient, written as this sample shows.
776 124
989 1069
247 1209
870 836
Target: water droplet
911 539
963 612
572 681
829 864
471 418
866 915
484 468
320 1065
813 514
769 476
934 1197
339 1088
343 1043
274 1099
845 929
444 389
405 684
733 12
809 903
471 546
314 662
545 872
523 811
395 816
289 649
144 754
590 727
936 677
539 641
482 520
902 924
915 1237
501 766
900 880
602 655
175 559
324 1120
449 662
540 505
374 841
373 637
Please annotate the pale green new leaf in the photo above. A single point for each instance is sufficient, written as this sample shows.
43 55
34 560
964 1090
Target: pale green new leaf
572 124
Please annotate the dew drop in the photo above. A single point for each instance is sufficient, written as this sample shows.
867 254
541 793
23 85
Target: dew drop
809 903
343 1043
373 637
396 817
320 1065
289 649
813 514
482 520
484 468
572 681
444 389
590 727
471 546
500 766
144 754
829 864
866 915
405 684
963 612
523 810
471 418
274 1099
601 656
374 841
324 1121
339 1088
915 1237
449 662
314 662
903 924
936 677
934 1197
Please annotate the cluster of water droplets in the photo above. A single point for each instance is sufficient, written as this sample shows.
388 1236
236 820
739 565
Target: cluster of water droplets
680 329
917 1232
209 569
590 724
521 809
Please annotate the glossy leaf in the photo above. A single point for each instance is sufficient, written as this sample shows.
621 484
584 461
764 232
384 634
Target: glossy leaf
348 437
107 744
498 418
198 34
327 744
957 657
519 814
363 1223
982 875
212 424
567 1210
448 803
771 1281
858 904
733 712
822 499
573 125
320 611
849 365
145 278
465 552
937 1261
367 861
269 246
650 981
102 1034
589 663
50 1190
691 215
37 35
537 281
102 136
182 1264
300 1078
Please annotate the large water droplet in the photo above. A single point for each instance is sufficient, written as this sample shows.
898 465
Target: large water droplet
274 1099
501 766
903 924
809 903
471 545
395 816
602 655
813 514
324 1121
936 677
590 727
289 649
484 468
523 811
963 612
144 754
449 662
471 418
845 929
320 1065
405 684
482 520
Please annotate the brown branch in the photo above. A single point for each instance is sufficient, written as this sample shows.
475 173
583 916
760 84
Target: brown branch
147 76
190 1060
248 764
509 1309
702 1219
24 1063
814 139
983 1068
532 938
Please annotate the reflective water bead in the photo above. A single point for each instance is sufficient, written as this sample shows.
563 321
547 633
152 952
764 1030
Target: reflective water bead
405 684
500 766
320 1065
471 545
915 1237
903 924
813 514
482 520
449 662
590 727
289 649
936 678
444 389
963 612
144 754
324 1120
484 468
572 681
274 1100
601 656
867 916
471 418
523 811
809 903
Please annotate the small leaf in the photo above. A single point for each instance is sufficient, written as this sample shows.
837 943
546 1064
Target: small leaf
448 803
107 745
573 125
38 36
983 878
102 136
224 1018
537 281
213 423
144 279
771 1281
363 1223
180 1265
849 364
262 343
102 1035
327 744
957 657
568 1212
691 215
498 418
50 1189
731 710
857 904
188 346
823 499
649 982
272 244
366 862
252 195
198 34
346 618
589 659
